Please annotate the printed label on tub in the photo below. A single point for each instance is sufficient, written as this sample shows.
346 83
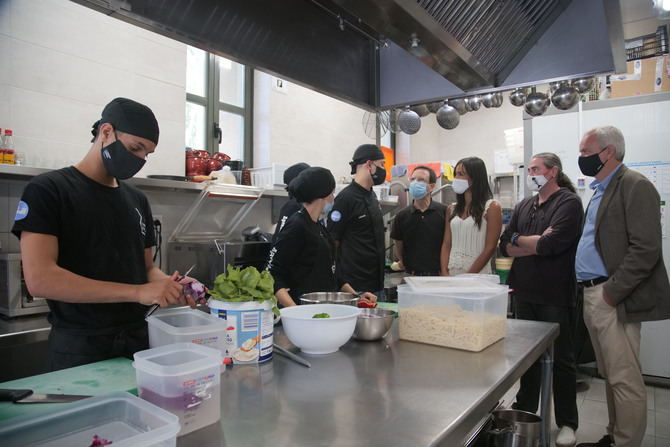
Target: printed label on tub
248 335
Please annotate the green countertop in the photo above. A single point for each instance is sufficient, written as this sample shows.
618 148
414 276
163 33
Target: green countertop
94 379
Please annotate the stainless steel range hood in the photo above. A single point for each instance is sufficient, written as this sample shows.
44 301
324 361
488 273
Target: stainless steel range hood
382 53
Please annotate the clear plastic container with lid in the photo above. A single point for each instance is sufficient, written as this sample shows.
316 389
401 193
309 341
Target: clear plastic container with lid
184 324
463 313
184 379
123 419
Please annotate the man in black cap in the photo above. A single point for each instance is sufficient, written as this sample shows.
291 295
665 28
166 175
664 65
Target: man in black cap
357 226
292 205
86 240
302 260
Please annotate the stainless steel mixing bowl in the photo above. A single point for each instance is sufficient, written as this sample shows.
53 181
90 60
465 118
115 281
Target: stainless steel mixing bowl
373 324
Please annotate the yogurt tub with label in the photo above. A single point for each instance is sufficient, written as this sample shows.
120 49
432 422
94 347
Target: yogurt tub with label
249 326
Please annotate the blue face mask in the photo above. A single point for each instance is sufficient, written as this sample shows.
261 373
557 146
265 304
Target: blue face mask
327 209
417 189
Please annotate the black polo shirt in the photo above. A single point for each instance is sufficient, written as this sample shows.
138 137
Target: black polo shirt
421 234
356 222
548 277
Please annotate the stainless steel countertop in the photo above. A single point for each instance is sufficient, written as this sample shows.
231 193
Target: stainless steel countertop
25 329
382 393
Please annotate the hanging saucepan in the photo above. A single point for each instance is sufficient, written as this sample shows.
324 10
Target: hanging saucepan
433 107
565 97
487 100
448 117
536 103
518 96
409 121
421 109
497 99
459 105
475 102
583 85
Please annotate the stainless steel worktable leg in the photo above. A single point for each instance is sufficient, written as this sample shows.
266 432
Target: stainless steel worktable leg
545 395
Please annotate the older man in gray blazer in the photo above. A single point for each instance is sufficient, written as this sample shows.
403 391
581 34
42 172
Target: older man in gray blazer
620 265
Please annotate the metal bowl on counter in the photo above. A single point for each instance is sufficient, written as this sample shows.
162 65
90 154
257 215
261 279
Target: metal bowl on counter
373 324
329 298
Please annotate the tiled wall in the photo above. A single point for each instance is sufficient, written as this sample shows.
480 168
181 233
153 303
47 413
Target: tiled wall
62 62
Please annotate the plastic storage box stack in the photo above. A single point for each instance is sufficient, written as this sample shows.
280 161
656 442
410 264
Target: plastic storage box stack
123 419
184 324
458 312
268 177
184 379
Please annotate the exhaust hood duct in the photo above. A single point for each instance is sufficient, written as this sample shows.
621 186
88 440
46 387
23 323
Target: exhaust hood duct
473 44
382 54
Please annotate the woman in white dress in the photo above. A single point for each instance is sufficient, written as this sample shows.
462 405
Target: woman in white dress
473 223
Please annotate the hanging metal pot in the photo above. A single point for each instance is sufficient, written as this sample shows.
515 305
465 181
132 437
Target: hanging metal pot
459 105
536 103
420 109
553 86
433 107
409 121
583 85
518 96
475 102
497 99
487 100
448 117
565 97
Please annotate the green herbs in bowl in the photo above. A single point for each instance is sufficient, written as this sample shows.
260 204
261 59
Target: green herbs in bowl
321 315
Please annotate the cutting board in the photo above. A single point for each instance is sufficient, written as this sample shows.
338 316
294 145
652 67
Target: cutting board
93 379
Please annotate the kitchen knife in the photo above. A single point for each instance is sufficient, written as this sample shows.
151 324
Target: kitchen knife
28 397
292 356
153 307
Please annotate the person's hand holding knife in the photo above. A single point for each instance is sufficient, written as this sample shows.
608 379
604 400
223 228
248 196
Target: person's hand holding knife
171 291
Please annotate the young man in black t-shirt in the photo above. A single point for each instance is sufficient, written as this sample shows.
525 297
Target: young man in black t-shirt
86 241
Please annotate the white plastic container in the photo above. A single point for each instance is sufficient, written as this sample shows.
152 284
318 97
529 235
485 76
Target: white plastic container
122 418
184 324
184 379
469 318
249 327
268 176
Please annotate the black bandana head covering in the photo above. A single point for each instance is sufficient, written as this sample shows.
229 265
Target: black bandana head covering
130 117
292 171
311 184
363 153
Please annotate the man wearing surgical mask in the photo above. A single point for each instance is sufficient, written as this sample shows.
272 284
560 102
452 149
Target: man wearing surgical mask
542 236
418 229
86 238
356 223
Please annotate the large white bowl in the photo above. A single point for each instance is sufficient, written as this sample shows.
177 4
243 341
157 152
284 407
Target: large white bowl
319 335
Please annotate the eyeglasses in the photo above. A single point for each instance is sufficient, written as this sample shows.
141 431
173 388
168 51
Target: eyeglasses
533 210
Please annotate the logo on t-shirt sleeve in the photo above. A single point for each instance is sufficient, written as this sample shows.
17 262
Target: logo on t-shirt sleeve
21 210
335 216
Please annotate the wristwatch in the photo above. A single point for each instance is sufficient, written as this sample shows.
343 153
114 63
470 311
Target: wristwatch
514 239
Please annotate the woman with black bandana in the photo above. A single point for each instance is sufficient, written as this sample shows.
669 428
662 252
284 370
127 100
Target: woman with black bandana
86 244
302 260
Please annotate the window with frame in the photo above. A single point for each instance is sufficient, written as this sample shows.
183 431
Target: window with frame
218 105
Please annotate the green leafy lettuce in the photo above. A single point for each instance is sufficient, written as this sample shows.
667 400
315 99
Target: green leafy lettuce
245 285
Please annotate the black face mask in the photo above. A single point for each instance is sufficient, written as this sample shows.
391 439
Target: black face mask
119 162
591 165
379 176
